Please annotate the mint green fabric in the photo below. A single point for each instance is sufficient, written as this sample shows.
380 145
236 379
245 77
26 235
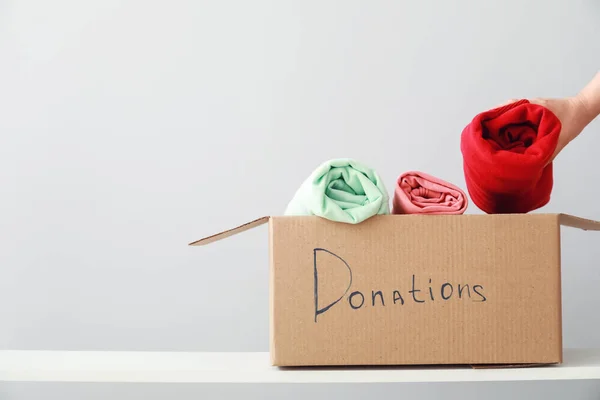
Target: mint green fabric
341 190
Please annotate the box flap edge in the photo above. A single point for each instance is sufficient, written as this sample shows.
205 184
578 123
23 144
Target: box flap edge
230 232
578 222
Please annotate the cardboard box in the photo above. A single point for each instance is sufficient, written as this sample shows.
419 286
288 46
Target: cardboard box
412 289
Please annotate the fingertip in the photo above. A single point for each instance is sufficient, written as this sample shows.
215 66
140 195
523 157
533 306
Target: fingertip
507 103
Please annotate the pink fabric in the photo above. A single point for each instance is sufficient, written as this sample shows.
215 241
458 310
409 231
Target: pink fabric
420 193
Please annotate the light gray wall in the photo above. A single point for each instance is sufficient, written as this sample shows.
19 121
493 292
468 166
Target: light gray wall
129 128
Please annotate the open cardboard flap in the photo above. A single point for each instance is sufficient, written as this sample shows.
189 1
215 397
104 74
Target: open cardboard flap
577 222
564 220
230 232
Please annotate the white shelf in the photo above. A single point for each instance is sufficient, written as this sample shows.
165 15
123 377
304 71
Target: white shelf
189 367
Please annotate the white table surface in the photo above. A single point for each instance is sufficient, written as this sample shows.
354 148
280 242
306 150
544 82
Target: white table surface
202 367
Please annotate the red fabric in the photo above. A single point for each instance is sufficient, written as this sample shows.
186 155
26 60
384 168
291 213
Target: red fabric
506 157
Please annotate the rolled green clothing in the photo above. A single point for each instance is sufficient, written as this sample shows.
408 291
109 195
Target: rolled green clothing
341 190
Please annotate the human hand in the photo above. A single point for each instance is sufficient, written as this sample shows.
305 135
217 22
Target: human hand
574 112
571 113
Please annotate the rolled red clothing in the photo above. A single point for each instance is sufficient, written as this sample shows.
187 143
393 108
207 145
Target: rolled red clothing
420 193
507 154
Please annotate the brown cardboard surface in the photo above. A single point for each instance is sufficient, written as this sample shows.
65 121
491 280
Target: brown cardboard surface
230 232
577 222
510 265
415 289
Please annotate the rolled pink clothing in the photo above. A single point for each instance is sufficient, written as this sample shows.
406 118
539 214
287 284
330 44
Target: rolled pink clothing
420 193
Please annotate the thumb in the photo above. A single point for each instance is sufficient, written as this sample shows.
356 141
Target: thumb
507 103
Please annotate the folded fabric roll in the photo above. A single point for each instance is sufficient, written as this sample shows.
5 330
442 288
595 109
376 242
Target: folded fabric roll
341 190
420 193
507 155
